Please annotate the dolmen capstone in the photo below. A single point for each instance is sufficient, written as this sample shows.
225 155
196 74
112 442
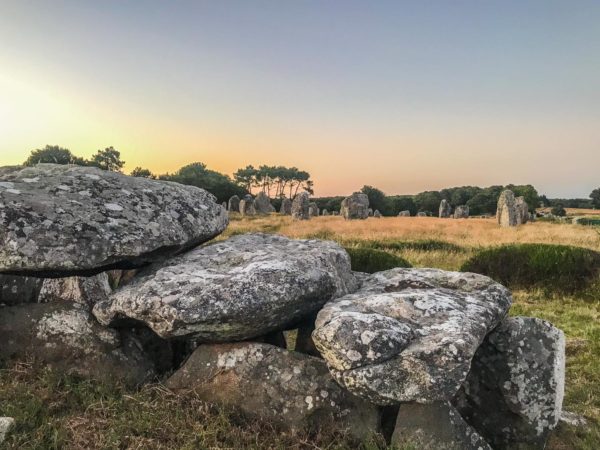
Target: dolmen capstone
355 207
234 204
240 288
300 206
247 207
262 204
286 207
506 211
445 209
461 212
62 219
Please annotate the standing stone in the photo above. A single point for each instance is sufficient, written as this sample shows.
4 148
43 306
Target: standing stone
286 207
60 220
506 212
514 392
370 212
86 291
240 288
435 426
461 212
445 209
408 335
247 206
300 207
288 389
335 213
6 425
404 213
377 214
313 209
522 210
325 212
421 214
355 207
234 204
16 289
262 204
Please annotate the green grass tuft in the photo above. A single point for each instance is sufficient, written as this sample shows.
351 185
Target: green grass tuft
371 261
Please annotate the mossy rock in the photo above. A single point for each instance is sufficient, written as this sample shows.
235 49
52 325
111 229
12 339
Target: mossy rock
371 261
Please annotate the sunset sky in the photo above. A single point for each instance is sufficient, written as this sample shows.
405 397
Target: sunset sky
405 96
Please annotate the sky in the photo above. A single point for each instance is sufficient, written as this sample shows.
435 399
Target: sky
406 96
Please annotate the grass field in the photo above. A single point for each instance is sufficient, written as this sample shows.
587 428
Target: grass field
60 412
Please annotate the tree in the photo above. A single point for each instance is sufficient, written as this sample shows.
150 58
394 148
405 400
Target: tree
108 159
53 154
399 203
529 193
558 210
595 196
428 201
377 199
142 173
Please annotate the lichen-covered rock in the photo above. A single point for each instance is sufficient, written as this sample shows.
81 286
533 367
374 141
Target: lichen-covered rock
6 425
69 220
514 392
66 337
285 388
404 213
409 334
262 204
286 207
234 204
435 426
506 211
355 207
522 210
247 207
246 286
313 209
461 212
300 207
86 291
445 209
17 289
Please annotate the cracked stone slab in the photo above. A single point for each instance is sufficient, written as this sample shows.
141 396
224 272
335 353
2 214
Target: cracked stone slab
408 335
58 220
240 288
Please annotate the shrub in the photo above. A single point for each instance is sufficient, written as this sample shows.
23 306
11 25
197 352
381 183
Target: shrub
551 267
559 211
371 261
588 221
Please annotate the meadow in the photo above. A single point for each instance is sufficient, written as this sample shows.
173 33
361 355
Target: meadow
56 411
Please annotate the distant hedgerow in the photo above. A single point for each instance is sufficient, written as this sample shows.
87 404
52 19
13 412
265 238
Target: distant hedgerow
371 261
554 267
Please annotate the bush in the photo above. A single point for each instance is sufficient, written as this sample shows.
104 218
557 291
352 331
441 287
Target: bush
559 211
588 221
371 261
551 267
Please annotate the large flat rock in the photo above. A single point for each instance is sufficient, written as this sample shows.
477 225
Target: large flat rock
408 335
58 220
237 289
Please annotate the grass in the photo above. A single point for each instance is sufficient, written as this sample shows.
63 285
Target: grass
370 260
63 412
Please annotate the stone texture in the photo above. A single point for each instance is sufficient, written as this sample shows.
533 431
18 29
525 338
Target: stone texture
6 425
514 392
461 212
234 204
409 334
522 210
506 212
300 207
355 207
262 204
288 389
237 289
445 209
86 291
68 220
370 212
247 207
377 214
325 212
66 337
313 209
286 207
435 426
404 214
16 289
421 214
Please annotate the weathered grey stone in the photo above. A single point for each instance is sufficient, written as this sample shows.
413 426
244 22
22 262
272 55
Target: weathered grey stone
288 389
574 420
6 425
234 204
300 207
16 289
325 212
247 207
445 209
262 204
506 212
355 207
63 220
246 286
335 213
313 209
435 426
377 214
404 213
409 334
370 212
66 337
461 212
522 210
86 291
514 392
421 214
286 207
